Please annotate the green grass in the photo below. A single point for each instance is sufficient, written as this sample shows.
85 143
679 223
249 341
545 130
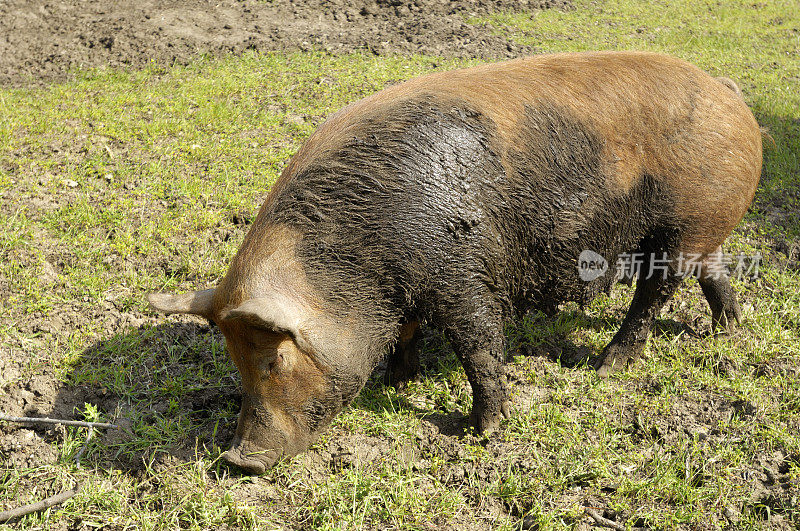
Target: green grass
755 43
121 183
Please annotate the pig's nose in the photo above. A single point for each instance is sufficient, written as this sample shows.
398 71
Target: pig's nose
252 462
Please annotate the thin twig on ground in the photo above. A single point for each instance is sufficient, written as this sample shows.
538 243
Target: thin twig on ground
61 497
45 420
604 522
84 447
46 503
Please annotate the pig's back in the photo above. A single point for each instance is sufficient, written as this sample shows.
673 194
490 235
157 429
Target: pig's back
504 173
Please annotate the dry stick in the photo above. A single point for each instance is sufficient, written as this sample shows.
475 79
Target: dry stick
605 522
62 496
38 506
45 420
84 447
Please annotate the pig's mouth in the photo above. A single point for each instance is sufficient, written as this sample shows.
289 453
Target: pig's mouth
249 458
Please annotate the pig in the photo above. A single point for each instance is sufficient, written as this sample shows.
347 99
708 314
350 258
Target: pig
460 200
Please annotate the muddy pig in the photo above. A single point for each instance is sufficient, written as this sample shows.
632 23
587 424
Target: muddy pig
460 199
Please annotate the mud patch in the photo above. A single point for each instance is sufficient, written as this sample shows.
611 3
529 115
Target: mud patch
25 448
176 395
44 41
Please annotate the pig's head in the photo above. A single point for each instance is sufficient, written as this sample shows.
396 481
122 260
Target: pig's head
296 362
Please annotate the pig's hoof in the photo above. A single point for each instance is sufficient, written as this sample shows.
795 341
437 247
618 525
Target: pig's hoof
486 421
252 463
400 376
724 322
615 358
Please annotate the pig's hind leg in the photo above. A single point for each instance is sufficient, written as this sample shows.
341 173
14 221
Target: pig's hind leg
650 296
402 365
715 283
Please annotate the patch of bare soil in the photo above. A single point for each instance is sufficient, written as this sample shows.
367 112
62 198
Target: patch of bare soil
43 40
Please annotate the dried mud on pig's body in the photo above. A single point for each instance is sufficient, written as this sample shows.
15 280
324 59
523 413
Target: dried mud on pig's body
460 199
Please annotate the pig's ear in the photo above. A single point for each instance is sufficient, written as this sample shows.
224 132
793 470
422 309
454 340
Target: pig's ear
270 314
265 313
195 302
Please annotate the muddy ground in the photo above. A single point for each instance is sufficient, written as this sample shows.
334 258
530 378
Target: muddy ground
44 41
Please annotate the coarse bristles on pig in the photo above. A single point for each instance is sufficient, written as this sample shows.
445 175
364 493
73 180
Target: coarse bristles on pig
460 199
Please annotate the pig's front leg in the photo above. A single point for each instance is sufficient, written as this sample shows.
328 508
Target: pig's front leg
479 344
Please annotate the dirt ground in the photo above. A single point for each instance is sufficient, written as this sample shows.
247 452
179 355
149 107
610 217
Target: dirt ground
42 41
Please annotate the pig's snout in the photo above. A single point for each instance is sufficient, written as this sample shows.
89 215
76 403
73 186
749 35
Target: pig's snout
250 459
258 443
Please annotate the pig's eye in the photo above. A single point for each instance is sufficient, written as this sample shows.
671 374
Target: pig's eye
285 356
269 365
276 364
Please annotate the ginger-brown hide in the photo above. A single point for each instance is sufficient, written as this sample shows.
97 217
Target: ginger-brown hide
281 385
461 199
